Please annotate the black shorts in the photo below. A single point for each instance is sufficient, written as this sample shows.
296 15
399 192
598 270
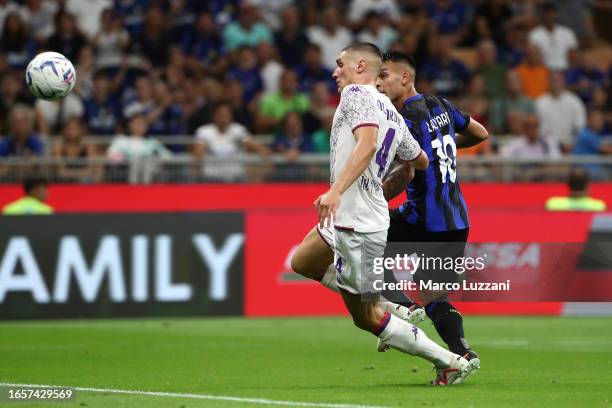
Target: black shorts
440 249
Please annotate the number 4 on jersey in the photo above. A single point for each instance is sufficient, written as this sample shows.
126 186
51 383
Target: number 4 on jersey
383 153
448 162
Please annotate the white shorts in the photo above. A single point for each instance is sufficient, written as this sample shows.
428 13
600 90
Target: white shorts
354 254
327 234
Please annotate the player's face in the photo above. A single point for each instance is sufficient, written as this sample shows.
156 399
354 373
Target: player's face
390 80
345 69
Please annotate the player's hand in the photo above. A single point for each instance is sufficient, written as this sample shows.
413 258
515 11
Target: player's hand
326 205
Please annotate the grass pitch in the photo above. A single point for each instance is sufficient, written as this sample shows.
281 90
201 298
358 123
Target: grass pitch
526 362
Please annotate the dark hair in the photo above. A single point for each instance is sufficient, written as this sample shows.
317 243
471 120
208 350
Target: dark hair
398 56
222 104
366 47
548 6
578 179
30 183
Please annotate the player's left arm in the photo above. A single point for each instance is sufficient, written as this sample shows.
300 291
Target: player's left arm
468 131
357 163
472 135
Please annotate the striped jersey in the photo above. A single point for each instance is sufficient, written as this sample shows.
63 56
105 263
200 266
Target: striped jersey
434 199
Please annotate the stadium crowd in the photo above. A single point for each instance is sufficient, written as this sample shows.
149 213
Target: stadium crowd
224 72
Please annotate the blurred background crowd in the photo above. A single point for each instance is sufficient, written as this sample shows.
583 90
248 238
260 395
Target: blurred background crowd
197 83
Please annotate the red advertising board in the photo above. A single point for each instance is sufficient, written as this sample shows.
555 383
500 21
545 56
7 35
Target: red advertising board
277 216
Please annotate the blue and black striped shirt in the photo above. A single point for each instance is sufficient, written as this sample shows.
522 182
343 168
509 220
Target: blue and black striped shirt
434 199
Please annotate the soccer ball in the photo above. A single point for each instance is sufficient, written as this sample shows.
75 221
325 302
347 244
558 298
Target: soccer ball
50 76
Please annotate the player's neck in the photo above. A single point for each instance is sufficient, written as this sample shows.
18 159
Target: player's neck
409 93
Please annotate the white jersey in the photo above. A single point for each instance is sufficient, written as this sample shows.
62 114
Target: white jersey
363 207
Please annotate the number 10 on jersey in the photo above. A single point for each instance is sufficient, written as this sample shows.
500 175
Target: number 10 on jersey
447 159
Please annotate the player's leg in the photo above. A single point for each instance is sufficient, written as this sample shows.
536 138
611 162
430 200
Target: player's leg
314 259
354 254
313 256
445 317
394 331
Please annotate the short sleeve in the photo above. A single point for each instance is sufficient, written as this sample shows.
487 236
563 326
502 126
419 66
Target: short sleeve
459 117
408 148
358 107
239 132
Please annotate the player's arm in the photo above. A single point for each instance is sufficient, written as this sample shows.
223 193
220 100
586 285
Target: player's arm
473 134
357 163
396 180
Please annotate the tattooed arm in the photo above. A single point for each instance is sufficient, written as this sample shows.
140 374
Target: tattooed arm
397 178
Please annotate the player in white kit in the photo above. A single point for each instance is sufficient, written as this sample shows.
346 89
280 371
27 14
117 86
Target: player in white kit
367 133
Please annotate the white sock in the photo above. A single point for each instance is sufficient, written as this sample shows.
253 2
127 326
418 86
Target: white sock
329 279
410 339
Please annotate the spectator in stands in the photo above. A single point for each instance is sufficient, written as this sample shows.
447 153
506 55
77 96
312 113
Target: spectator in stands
533 73
583 76
494 74
154 42
182 15
203 43
554 40
449 17
21 141
85 67
490 21
135 150
593 140
224 138
89 14
166 118
12 93
562 114
312 70
578 199
142 100
17 44
110 42
270 11
102 110
67 38
73 147
531 144
7 7
270 69
447 74
292 140
322 105
56 113
511 50
39 17
332 36
274 107
242 112
474 100
33 201
504 108
132 13
246 70
359 9
377 32
290 40
247 30
194 105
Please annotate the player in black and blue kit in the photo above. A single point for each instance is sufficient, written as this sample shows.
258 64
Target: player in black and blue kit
435 212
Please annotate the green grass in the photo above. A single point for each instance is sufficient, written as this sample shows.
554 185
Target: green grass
526 362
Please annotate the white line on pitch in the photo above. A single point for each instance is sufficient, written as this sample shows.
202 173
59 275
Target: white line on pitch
196 396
